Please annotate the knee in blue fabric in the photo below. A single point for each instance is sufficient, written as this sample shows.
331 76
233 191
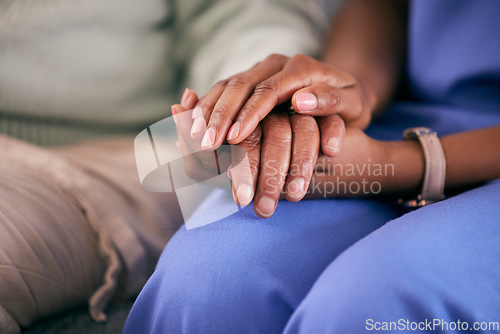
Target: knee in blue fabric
244 274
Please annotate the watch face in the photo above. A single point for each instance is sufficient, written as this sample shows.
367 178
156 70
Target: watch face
414 133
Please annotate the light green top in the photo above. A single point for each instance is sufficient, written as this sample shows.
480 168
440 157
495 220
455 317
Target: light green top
71 70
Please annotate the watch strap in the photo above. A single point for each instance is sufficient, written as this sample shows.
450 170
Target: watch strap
435 163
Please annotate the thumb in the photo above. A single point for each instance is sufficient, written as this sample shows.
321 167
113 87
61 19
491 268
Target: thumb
324 100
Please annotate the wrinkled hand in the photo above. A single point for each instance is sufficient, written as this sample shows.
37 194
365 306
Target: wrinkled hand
234 107
282 151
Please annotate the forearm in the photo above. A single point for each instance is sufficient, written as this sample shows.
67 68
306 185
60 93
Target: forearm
472 157
367 39
371 167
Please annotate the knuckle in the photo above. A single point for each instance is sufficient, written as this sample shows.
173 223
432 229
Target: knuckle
250 144
266 87
302 60
206 108
254 167
305 124
336 125
276 57
247 112
220 112
246 172
300 57
222 82
337 122
257 64
282 141
303 157
277 131
237 82
253 140
333 99
274 178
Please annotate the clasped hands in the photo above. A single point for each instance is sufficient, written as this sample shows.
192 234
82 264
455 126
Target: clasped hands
285 151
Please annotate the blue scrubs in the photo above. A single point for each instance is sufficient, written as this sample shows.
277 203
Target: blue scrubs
355 265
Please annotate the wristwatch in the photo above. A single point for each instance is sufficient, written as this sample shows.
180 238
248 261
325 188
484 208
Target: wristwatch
435 167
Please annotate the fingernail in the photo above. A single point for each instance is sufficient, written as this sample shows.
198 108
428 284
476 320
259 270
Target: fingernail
234 131
333 144
306 101
198 126
209 138
296 188
266 206
245 194
174 111
184 97
196 112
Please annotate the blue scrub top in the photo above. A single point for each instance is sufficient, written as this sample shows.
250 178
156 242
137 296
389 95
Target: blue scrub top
454 52
453 69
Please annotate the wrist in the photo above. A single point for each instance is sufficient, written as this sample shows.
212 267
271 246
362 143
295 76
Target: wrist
408 163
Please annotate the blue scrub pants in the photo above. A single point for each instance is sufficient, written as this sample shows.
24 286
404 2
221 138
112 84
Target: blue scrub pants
332 266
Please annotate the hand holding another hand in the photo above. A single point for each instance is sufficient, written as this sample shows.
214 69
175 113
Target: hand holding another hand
282 151
234 107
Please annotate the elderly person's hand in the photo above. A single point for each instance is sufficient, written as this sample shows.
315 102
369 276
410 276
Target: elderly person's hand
282 151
